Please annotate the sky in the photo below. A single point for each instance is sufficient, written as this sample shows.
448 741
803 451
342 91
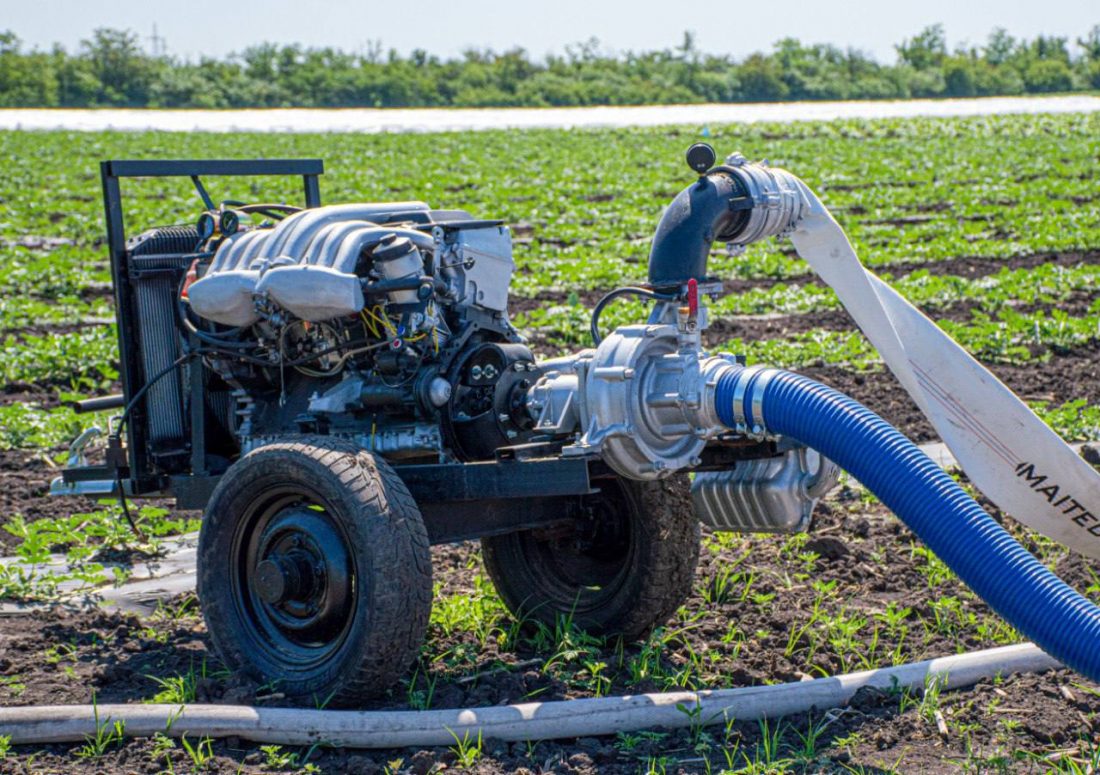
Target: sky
192 28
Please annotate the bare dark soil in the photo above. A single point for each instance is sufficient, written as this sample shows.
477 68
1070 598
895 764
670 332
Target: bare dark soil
777 326
24 481
61 657
1068 375
41 394
28 393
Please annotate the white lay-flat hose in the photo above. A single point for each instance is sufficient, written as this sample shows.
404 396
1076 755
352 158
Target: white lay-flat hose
525 721
1007 451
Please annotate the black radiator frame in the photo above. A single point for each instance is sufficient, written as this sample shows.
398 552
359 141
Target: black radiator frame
141 479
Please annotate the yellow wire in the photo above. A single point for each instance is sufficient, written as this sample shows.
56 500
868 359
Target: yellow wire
379 314
369 324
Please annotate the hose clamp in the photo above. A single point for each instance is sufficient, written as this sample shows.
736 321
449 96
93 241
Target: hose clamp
757 399
712 370
744 377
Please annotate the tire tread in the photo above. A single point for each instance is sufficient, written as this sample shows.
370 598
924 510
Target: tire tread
399 561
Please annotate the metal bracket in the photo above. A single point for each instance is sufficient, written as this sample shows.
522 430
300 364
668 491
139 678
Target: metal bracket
77 459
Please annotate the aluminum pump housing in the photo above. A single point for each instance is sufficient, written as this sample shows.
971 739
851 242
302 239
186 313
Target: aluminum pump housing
643 400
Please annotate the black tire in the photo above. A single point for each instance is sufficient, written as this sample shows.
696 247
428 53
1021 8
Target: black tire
314 571
623 572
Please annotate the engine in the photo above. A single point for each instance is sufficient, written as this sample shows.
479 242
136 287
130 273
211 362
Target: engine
386 325
383 323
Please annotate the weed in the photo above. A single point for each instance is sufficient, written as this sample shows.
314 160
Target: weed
162 748
182 689
275 758
14 684
421 698
600 682
185 607
39 576
201 753
696 724
467 752
479 612
768 749
810 739
106 734
162 744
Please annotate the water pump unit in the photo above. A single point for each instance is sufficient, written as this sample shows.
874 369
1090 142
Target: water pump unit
339 387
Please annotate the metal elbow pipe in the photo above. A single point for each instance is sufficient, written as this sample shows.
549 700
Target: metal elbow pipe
737 203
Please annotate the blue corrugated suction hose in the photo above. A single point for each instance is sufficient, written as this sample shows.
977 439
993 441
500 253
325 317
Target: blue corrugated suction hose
950 523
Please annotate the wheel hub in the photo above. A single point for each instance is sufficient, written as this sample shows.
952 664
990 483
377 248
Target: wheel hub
592 555
283 577
300 577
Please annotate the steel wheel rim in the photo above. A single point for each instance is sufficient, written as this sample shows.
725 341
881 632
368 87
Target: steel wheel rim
582 578
294 580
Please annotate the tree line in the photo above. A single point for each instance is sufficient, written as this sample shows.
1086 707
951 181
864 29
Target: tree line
111 69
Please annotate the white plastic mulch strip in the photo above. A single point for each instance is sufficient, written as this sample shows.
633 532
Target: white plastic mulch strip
148 581
373 120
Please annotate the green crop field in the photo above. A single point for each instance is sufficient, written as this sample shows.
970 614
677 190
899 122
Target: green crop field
915 197
990 225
